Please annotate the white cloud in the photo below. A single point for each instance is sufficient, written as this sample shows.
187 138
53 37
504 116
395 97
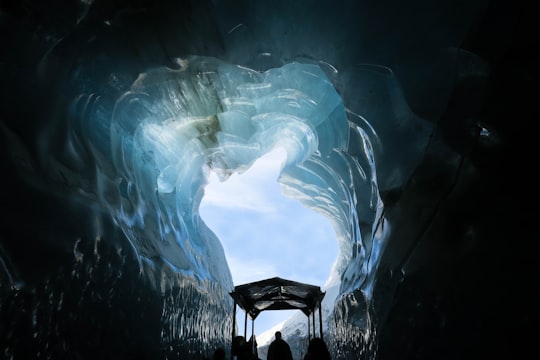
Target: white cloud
243 191
248 270
265 234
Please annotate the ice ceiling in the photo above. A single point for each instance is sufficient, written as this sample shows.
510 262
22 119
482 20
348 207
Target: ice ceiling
174 127
401 123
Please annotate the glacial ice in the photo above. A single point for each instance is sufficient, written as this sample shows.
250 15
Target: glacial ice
114 115
174 127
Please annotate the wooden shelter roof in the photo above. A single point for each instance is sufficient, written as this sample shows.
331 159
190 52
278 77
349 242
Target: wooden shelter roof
277 294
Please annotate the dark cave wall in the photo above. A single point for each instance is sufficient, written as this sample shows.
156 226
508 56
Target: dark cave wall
466 291
465 215
71 285
75 288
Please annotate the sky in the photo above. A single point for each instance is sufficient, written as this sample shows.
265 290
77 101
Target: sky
265 234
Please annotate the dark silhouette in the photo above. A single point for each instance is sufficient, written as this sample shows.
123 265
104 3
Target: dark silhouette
253 347
317 350
238 345
242 349
279 349
219 354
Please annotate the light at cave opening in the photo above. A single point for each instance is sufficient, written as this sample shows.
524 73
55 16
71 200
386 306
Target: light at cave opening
266 234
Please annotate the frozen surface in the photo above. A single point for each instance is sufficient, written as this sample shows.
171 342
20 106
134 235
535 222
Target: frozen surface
400 124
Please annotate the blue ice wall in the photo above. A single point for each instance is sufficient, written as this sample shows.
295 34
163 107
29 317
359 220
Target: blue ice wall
395 121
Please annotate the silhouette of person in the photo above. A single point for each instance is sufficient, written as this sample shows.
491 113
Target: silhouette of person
219 354
279 349
253 346
241 349
317 350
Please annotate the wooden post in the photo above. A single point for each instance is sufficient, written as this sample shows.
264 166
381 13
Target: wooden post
233 328
320 319
253 336
245 326
314 328
308 330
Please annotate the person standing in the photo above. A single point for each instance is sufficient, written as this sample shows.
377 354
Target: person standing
279 349
253 346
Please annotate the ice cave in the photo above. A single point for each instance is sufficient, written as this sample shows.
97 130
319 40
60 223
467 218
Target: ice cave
407 124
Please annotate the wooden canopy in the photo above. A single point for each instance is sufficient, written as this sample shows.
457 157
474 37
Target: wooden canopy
277 294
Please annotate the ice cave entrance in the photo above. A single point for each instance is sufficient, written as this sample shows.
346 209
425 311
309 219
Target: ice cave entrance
266 234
